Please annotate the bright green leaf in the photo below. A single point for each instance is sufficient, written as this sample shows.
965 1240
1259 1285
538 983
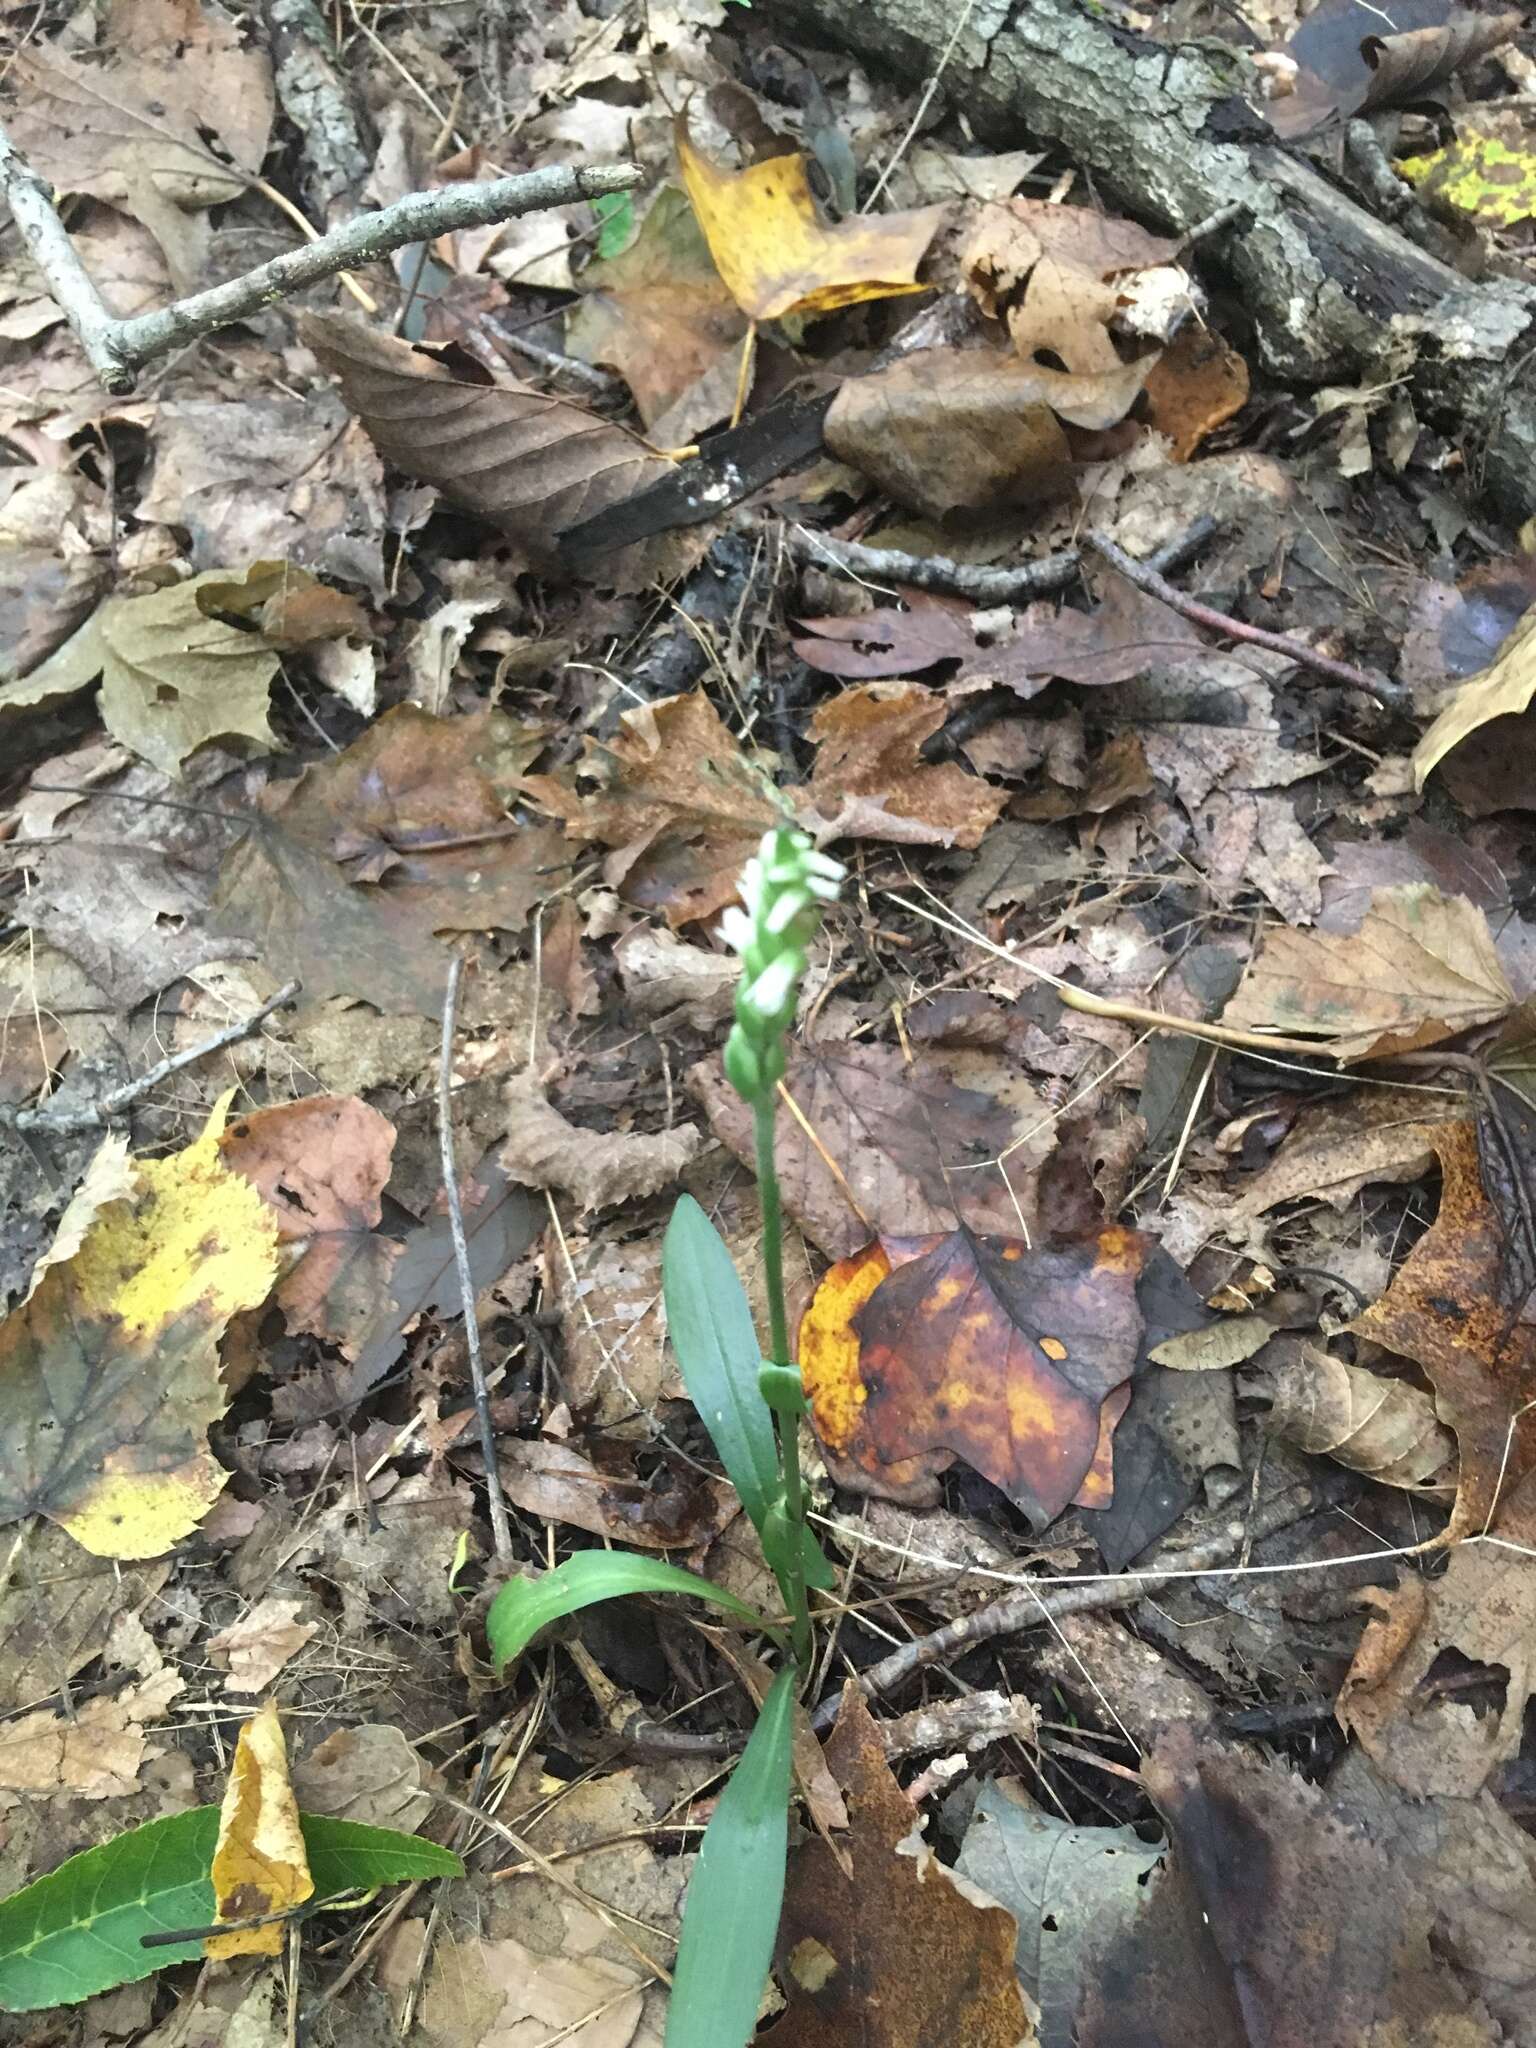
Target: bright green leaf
524 1606
616 213
710 1322
77 1931
736 1891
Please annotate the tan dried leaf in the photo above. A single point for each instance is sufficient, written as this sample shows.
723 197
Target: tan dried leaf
543 1150
256 1647
1385 1428
1502 690
871 781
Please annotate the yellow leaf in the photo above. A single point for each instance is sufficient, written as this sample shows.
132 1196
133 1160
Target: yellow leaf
259 1866
1502 689
773 251
1488 171
109 1372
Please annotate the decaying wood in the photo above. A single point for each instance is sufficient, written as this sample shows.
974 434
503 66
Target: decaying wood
1175 133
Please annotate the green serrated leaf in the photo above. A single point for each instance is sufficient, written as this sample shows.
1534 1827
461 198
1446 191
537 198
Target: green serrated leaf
524 1606
736 1891
77 1931
710 1323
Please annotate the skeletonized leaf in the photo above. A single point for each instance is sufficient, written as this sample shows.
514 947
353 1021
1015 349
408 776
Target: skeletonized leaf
529 463
1420 969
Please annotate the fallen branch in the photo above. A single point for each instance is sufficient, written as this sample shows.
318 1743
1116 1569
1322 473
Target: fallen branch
62 1123
118 349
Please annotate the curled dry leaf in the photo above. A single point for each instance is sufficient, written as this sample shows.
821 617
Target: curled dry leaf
1483 1608
529 463
1421 968
1456 1309
255 1648
1385 1428
109 1375
260 1865
1005 1354
1335 1149
773 251
1502 690
870 780
543 1150
889 1948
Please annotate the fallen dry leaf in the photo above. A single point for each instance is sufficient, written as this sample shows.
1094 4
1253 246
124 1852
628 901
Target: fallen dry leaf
676 798
664 1512
1455 1308
369 1774
891 1950
543 1150
259 1865
529 463
1421 968
321 1165
1002 1353
946 430
95 1753
1385 1428
775 255
110 1372
1481 1608
916 1146
1502 690
1194 387
57 1604
1335 1149
658 312
254 1649
870 780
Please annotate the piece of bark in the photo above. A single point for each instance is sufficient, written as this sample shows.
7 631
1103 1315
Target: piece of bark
1167 134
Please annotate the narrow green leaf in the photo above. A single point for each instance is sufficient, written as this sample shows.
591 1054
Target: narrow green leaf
711 1328
77 1931
736 1891
616 212
524 1606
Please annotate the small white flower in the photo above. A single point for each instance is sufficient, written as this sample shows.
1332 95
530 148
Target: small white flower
785 909
822 864
771 990
736 929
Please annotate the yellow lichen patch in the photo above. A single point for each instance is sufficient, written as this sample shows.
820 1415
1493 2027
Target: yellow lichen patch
1487 173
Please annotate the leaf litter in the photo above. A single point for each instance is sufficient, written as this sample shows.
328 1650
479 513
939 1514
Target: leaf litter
1157 1138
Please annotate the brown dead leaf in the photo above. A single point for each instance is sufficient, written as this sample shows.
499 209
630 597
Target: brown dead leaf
1196 385
893 1951
256 1647
259 1865
57 1603
1456 1309
1126 633
321 1164
543 1150
1335 1149
671 1510
95 1753
398 807
1483 1608
1504 689
775 255
658 312
679 802
369 1774
1007 1355
945 430
915 1146
1421 968
132 131
1385 1428
1012 235
529 463
870 780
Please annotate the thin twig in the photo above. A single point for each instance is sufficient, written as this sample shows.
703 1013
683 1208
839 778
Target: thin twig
91 1117
1027 1607
501 1527
117 349
1146 578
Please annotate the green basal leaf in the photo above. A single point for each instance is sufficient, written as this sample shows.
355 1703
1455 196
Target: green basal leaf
736 1891
524 1606
711 1328
77 1931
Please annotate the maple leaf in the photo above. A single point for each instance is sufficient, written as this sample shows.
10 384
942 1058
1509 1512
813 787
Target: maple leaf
775 255
109 1373
260 1865
1000 1352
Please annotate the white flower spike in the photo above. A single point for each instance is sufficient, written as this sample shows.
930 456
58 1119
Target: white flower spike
783 888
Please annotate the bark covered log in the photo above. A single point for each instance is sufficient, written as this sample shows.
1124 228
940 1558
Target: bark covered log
1173 134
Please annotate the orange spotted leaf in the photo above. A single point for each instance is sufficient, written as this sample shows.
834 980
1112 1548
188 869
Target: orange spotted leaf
1015 1358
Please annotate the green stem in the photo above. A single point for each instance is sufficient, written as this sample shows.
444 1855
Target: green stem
786 1427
